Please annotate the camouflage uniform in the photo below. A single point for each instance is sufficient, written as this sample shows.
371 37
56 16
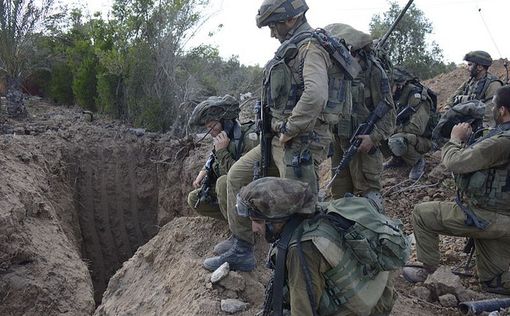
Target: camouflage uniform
483 177
303 122
368 90
411 132
482 89
323 249
224 159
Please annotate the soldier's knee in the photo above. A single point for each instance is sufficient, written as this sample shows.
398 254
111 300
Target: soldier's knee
398 144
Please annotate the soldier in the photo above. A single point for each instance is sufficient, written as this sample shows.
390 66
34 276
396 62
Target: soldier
231 140
482 207
311 253
372 87
481 85
413 134
297 83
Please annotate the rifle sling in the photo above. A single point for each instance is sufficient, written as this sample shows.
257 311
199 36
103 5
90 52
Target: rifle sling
281 257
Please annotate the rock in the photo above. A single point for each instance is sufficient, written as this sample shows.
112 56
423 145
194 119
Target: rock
448 300
443 281
220 273
422 293
137 131
233 306
494 313
233 281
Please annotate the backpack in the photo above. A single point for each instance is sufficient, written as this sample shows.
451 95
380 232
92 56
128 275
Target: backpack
377 241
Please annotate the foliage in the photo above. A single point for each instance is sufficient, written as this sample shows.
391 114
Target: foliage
21 24
408 45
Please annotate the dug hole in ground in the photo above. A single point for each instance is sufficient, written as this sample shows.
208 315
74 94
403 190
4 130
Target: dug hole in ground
94 220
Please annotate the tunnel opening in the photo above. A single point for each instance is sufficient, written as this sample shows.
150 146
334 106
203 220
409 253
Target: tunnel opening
116 201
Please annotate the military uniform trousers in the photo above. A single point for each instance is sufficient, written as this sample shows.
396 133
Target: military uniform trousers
416 147
241 173
492 245
363 174
218 211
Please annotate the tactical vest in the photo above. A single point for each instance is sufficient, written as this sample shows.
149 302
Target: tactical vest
360 264
417 90
490 188
284 83
476 90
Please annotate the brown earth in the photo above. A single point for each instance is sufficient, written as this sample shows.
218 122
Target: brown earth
90 208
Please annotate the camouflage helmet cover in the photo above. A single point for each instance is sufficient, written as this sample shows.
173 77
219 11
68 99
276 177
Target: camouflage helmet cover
275 199
479 57
215 109
401 75
274 11
354 38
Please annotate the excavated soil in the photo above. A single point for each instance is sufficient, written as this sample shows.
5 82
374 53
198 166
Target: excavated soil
94 214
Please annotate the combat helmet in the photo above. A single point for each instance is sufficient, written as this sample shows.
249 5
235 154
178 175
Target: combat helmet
401 75
215 109
275 199
274 11
352 37
479 57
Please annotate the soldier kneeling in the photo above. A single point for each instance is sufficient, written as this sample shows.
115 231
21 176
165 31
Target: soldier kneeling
333 258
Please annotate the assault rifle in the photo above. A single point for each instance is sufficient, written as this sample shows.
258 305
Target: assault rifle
263 123
404 114
364 129
210 177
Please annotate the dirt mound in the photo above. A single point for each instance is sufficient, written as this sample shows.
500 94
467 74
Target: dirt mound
446 84
165 276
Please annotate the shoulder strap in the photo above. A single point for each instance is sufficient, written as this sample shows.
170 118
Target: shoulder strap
306 271
281 257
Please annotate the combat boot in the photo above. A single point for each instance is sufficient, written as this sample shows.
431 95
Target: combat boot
394 162
415 274
495 286
224 246
417 170
240 257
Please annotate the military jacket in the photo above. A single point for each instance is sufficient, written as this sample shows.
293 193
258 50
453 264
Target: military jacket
416 97
482 170
297 84
371 87
483 90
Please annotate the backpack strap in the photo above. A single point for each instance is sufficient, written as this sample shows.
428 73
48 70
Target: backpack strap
281 258
306 271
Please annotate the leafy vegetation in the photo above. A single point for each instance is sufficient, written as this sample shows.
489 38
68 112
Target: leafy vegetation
408 45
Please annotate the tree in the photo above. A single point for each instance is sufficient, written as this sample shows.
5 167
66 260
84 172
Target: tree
408 45
21 24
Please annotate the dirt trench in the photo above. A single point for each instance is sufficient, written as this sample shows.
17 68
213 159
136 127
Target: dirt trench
77 200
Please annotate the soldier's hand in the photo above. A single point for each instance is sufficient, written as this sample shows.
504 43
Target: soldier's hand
284 138
461 132
221 141
366 143
198 180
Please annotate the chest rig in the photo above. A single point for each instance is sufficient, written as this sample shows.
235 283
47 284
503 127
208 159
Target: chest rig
475 90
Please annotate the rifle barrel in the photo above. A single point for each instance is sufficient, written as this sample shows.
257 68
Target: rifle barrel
394 25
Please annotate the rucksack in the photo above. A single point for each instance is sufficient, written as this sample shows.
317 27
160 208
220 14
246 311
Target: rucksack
377 241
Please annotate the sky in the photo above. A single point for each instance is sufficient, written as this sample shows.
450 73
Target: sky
459 26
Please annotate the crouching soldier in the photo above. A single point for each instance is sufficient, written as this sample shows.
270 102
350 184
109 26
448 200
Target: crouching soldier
412 136
482 207
328 258
231 140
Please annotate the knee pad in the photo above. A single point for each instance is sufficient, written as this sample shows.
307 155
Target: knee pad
398 145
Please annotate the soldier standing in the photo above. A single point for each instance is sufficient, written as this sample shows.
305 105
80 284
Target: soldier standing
371 88
231 140
297 84
482 207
